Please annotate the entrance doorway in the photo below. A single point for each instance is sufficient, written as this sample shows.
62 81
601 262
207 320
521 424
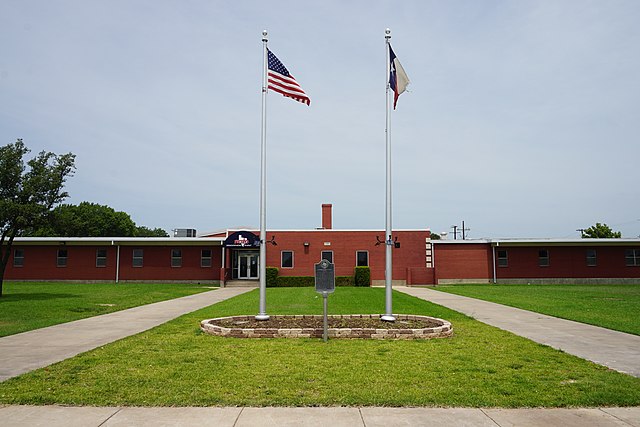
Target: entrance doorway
247 265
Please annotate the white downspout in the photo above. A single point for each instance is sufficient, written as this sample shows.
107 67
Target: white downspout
493 250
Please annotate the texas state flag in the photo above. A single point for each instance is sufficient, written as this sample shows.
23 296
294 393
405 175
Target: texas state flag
398 79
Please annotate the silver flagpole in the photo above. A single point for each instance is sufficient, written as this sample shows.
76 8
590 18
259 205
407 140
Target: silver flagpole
262 315
388 272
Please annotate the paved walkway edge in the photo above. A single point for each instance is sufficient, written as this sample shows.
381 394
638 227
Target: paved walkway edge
613 349
85 416
35 349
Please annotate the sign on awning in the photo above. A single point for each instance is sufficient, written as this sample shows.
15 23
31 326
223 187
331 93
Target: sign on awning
242 239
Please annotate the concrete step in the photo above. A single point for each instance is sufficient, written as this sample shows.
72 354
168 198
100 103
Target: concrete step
242 284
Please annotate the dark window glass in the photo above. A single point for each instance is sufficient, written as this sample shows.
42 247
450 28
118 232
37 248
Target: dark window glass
632 257
591 257
543 258
176 257
362 259
62 258
205 258
503 258
138 257
18 258
101 257
287 259
328 255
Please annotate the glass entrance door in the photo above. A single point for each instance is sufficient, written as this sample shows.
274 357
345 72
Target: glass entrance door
248 265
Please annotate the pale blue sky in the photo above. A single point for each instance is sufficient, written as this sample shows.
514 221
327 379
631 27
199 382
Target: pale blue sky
522 116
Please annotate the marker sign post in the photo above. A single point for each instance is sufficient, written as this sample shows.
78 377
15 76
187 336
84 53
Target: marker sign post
325 284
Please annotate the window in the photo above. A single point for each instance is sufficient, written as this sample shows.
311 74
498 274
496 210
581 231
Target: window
591 258
205 258
176 257
503 258
328 255
101 257
18 258
61 258
543 258
362 259
138 256
632 257
286 259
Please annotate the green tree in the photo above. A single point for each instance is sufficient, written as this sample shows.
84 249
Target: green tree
28 193
92 220
600 231
142 231
85 220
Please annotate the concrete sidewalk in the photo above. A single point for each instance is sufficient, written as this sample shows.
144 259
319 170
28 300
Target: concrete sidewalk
54 416
613 349
31 350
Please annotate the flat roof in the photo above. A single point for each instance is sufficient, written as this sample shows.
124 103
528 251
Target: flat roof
545 242
123 241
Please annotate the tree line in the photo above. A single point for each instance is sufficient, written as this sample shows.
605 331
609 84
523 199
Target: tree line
31 196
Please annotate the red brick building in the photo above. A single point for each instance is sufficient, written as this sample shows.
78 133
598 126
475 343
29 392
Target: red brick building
537 261
234 255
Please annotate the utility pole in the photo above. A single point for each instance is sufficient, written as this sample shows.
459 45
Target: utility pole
464 230
455 232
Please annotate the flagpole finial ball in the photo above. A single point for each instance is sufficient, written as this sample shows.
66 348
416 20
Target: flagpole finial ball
387 31
264 33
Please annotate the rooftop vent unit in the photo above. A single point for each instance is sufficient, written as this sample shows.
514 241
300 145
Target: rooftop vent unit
184 232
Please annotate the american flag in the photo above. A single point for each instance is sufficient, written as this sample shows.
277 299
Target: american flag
282 82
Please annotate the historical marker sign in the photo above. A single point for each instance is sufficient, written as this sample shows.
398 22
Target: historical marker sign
325 277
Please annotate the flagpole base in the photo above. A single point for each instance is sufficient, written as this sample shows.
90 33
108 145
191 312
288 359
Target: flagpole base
388 318
262 317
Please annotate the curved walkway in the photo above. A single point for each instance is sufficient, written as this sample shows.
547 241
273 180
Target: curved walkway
613 349
35 349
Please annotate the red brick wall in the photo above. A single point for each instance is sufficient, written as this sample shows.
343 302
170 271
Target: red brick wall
463 261
565 262
344 245
40 264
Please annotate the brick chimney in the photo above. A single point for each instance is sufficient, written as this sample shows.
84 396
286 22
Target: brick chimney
326 216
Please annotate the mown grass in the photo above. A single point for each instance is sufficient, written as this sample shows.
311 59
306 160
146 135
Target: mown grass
610 306
25 306
177 365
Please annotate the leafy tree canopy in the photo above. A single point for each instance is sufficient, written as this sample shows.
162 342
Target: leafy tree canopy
92 220
28 192
600 231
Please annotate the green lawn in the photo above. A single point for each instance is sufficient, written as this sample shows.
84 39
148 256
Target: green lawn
25 306
177 365
610 306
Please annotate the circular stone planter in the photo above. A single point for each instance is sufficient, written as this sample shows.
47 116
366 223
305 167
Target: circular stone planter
233 327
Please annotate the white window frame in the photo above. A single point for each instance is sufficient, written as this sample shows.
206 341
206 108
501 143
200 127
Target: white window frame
140 258
176 260
203 258
20 263
61 261
505 258
547 259
99 258
293 258
366 252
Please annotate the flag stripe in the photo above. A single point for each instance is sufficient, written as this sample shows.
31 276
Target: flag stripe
282 82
